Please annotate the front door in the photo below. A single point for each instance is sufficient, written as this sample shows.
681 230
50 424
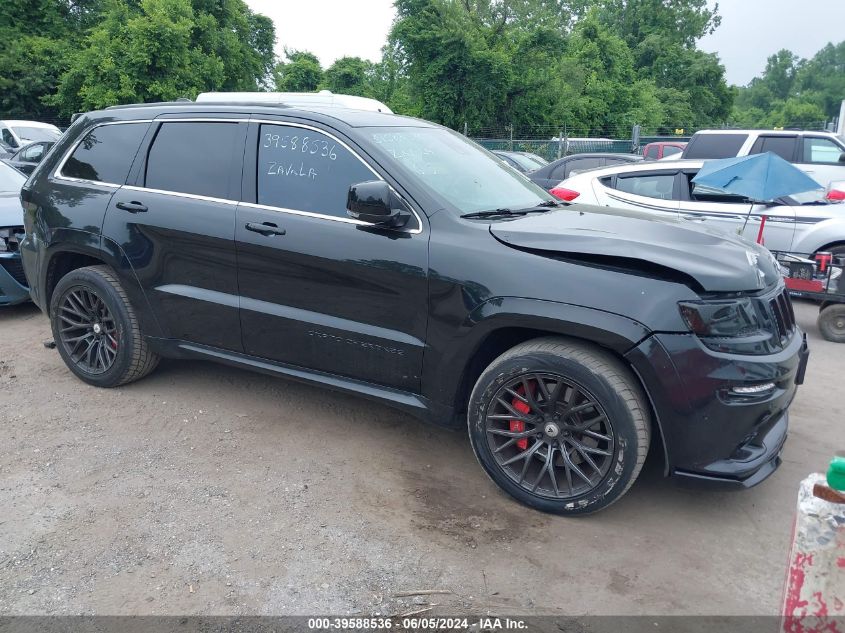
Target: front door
175 224
318 289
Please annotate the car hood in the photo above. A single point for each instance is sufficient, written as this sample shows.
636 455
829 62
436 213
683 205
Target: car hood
11 212
628 239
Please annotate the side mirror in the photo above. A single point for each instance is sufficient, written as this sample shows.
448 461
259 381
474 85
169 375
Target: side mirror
842 157
375 203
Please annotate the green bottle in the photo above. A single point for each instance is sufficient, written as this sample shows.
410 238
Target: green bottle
836 473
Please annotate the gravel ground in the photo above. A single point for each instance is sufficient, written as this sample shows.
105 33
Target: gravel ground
209 490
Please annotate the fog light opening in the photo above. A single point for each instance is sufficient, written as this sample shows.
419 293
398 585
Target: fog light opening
753 390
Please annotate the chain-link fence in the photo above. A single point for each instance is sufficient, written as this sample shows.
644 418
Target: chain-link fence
555 142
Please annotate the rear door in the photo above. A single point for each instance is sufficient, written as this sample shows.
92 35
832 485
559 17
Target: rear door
318 289
735 215
175 224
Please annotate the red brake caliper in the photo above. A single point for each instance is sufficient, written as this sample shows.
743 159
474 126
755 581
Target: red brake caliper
518 425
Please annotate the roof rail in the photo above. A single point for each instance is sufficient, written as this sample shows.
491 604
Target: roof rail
324 99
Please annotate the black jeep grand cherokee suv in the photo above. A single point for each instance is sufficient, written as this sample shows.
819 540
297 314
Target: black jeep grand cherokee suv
392 258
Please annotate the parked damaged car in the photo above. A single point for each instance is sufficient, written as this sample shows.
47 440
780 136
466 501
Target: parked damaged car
394 259
13 288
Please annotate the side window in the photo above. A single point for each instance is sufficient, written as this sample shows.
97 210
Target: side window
651 151
671 150
306 170
559 172
651 186
582 164
705 194
821 150
33 153
783 146
8 139
706 146
195 158
106 153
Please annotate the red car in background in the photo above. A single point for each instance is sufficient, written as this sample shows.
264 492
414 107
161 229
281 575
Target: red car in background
662 149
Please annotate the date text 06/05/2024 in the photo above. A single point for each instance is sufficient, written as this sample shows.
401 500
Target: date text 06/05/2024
416 623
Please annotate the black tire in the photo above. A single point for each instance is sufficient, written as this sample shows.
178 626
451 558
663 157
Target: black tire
837 250
832 323
122 344
603 386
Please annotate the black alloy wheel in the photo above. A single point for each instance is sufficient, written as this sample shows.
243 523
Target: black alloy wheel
88 330
549 435
559 424
96 330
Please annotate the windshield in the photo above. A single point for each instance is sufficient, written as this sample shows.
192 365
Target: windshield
525 162
10 179
460 172
36 133
542 162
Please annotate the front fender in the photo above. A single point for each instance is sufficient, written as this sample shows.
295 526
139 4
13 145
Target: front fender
451 350
820 235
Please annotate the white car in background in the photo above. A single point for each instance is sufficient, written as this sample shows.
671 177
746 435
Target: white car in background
16 134
821 155
806 223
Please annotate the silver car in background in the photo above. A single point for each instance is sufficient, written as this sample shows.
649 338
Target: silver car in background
808 223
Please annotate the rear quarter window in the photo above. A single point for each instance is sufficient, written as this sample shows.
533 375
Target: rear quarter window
106 153
704 146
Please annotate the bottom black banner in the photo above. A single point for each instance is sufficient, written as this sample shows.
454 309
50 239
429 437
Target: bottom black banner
419 622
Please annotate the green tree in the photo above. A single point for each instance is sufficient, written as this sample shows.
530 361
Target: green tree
457 68
301 73
793 92
681 22
38 36
351 76
822 78
154 50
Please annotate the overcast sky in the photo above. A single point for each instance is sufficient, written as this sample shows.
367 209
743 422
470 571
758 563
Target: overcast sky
751 29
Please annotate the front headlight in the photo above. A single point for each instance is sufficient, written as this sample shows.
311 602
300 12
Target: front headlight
731 325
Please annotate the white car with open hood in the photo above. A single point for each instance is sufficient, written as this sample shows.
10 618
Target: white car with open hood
806 223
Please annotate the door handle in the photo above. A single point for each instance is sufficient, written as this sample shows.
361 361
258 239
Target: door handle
694 217
132 207
265 228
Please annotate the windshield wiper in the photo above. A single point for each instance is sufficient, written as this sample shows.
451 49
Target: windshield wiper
497 213
491 214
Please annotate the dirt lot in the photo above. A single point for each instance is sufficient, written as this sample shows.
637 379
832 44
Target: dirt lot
205 489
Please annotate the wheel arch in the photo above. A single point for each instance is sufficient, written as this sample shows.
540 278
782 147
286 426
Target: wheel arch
62 261
822 236
506 338
832 245
509 322
71 256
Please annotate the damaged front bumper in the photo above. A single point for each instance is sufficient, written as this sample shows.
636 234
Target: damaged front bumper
713 433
